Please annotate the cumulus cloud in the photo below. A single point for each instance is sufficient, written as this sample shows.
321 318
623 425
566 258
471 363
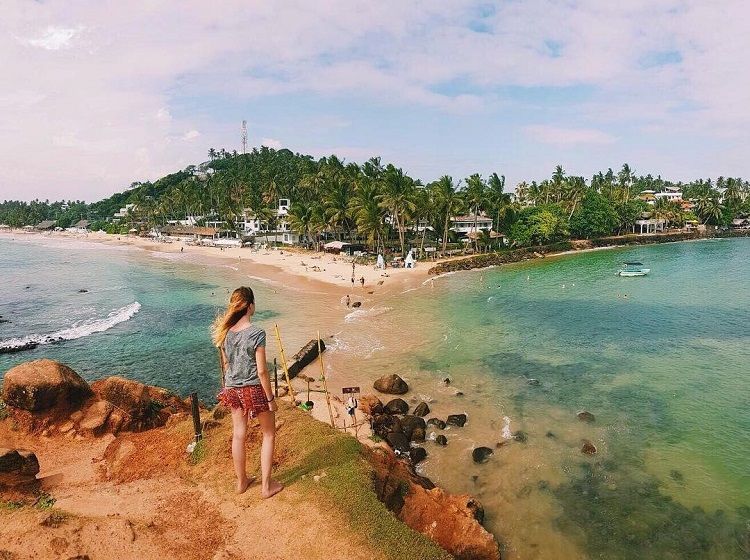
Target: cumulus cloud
270 143
567 136
54 38
97 91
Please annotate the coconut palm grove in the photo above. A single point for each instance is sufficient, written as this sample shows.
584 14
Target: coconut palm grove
382 207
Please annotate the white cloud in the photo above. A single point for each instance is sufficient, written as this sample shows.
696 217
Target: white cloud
271 143
566 136
191 135
94 93
55 38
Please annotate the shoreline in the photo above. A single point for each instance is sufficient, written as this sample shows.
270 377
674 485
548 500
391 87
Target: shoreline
486 260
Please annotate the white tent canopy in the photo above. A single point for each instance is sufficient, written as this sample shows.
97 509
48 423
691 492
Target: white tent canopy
335 245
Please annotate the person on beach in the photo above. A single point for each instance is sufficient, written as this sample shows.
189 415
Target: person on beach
348 300
246 385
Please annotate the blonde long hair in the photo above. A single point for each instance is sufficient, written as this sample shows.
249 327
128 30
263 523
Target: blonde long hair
241 299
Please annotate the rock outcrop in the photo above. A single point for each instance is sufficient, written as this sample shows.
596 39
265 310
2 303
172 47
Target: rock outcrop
421 409
43 385
481 454
585 416
451 521
391 385
457 420
370 405
18 467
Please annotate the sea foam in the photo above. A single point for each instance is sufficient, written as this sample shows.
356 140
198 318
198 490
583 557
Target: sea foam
78 330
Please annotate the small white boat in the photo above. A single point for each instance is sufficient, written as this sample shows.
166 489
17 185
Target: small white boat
633 269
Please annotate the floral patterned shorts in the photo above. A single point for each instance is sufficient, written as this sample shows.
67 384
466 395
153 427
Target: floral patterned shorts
251 399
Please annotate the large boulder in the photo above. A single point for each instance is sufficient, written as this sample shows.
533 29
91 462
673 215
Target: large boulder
396 406
481 454
413 427
370 405
94 422
43 385
138 406
17 467
398 442
391 385
437 422
421 409
457 420
417 455
384 424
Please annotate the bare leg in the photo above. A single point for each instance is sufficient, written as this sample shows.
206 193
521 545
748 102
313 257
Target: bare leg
239 438
269 487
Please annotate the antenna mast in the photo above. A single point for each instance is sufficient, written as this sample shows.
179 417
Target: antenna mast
244 137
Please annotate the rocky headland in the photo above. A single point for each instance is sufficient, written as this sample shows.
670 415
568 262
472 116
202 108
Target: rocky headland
105 470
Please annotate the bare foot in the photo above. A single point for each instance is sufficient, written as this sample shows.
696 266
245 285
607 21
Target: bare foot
273 489
242 486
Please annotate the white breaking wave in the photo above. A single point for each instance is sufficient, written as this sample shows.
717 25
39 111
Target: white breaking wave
443 275
362 313
78 330
507 434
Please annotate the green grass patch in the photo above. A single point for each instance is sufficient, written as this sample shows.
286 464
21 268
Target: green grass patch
10 505
376 438
44 501
348 488
198 454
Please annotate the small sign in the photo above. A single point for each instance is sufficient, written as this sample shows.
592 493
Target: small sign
348 390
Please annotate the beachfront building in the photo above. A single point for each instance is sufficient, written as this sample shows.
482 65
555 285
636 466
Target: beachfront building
192 234
672 194
123 212
467 224
46 225
82 226
253 225
651 225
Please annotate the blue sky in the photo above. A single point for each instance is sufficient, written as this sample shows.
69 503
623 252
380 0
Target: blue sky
95 96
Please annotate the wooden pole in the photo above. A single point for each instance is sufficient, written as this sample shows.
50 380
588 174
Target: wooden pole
196 416
283 364
325 383
275 378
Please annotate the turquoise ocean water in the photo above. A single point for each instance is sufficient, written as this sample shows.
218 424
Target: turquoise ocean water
665 370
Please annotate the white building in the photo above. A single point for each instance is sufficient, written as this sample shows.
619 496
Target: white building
123 212
670 194
466 224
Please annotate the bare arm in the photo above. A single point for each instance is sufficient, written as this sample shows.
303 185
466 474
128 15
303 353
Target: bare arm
265 379
222 365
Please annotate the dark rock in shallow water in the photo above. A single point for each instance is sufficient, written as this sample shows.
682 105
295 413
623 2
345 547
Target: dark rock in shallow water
447 381
83 291
409 424
417 454
457 420
588 448
304 357
356 304
459 393
676 475
421 409
9 349
391 385
520 436
441 440
383 424
398 442
585 416
437 422
481 454
396 406
532 381
550 435
418 435
542 485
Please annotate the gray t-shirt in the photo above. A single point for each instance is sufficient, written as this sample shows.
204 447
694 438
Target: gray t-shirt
239 348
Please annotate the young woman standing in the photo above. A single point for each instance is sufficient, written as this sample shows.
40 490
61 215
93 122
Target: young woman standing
246 385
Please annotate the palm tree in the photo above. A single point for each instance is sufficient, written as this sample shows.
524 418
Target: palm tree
476 197
398 198
301 217
449 200
368 212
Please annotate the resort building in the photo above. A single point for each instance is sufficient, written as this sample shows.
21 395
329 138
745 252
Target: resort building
123 212
669 194
741 223
467 224
651 225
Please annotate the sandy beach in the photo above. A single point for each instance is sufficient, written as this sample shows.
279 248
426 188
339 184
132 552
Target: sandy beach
292 266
